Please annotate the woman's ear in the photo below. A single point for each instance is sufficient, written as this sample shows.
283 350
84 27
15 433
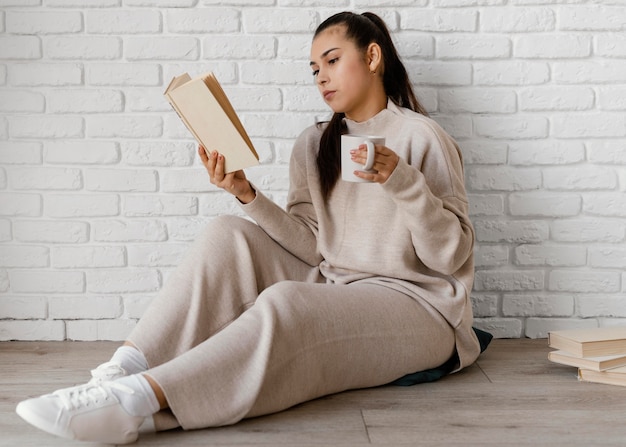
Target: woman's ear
374 57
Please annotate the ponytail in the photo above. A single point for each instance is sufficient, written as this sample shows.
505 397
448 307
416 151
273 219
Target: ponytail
363 29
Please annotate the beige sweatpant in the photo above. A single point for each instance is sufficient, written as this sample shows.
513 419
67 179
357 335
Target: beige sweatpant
243 328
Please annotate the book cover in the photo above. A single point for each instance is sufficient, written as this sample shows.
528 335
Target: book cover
616 376
592 342
206 111
594 363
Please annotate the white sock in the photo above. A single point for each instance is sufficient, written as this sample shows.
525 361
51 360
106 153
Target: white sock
131 359
142 401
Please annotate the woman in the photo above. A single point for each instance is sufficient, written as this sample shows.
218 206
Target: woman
354 285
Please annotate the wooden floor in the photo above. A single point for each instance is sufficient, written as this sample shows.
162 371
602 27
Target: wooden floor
511 396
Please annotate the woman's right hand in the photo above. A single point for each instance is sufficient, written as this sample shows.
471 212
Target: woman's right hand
235 183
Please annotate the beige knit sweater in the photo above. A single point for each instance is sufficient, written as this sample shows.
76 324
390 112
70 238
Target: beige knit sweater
411 233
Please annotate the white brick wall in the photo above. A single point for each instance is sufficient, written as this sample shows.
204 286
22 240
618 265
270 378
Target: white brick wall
101 191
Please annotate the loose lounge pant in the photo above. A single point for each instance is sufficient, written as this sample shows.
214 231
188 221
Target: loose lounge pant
243 328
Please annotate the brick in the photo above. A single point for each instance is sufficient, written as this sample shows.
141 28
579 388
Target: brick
4 280
78 307
590 306
459 127
607 151
123 21
208 20
483 152
605 204
18 204
186 228
32 330
162 48
600 125
24 256
219 203
517 20
276 72
255 99
162 3
20 152
589 71
5 230
124 126
3 179
588 230
539 327
534 204
592 18
186 180
53 231
81 3
21 101
275 125
579 178
88 257
129 231
511 73
486 204
46 74
23 307
46 281
47 22
122 180
557 98
612 98
519 127
123 74
479 47
546 152
85 101
531 231
583 281
438 20
439 73
491 255
552 46
240 47
76 152
502 178
484 305
477 100
551 255
45 178
46 126
509 280
122 280
136 305
85 47
290 46
81 205
156 153
156 255
537 305
500 327
20 47
92 330
608 257
610 45
283 21
163 205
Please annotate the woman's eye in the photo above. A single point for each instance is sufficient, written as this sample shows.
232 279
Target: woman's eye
315 72
332 61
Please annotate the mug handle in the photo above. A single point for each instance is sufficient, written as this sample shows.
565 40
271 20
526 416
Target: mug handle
369 163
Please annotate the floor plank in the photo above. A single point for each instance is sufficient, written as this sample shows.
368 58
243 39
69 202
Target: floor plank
512 396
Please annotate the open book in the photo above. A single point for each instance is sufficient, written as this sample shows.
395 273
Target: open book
206 111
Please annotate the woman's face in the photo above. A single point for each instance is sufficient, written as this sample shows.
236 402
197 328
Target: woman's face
341 72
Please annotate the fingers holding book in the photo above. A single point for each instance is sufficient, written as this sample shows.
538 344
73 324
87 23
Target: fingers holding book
235 183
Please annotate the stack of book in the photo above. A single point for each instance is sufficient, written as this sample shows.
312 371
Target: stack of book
598 353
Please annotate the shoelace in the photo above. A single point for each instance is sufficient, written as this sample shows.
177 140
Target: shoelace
89 394
107 371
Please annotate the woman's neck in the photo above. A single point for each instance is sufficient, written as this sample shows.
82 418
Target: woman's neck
377 101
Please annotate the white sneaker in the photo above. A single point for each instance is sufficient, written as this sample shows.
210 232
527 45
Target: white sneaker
107 372
88 412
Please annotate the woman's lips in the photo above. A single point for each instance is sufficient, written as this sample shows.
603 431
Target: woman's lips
328 94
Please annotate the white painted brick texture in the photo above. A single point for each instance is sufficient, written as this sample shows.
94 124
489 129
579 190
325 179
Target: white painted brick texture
101 191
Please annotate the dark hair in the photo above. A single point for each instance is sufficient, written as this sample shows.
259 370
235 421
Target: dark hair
362 29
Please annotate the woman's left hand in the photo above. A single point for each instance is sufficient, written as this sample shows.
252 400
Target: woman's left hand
385 161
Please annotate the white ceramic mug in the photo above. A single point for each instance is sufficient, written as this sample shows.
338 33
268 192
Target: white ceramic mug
350 142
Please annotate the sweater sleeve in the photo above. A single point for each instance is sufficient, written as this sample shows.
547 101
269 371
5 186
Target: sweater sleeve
433 199
295 229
